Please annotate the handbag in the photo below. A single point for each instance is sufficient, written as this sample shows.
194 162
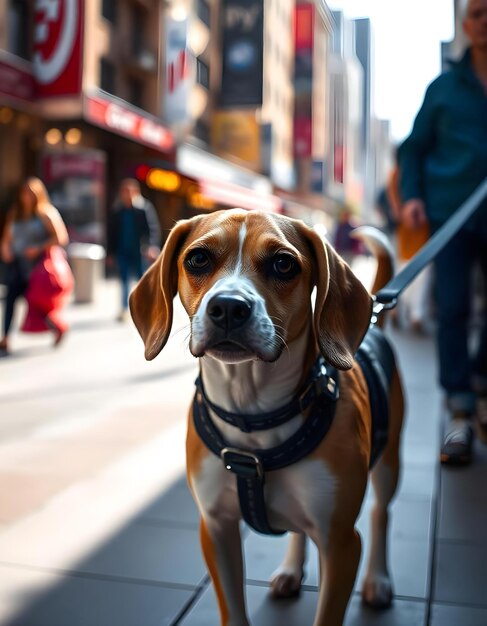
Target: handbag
50 285
410 240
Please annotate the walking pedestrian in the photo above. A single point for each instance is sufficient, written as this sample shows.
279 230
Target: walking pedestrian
346 246
134 236
32 227
441 163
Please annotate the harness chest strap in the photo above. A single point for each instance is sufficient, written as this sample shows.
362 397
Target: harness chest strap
250 466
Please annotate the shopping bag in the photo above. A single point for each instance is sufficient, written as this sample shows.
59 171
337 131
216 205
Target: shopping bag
50 285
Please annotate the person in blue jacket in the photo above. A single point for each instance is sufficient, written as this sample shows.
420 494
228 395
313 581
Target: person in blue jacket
441 163
133 236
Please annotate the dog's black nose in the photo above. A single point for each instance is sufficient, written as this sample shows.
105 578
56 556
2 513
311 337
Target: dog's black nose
229 312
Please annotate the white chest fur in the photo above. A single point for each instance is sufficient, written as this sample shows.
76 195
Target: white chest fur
300 497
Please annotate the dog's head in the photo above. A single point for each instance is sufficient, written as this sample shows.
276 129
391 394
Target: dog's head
245 279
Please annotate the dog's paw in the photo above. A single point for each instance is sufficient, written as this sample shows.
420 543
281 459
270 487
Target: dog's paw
377 592
285 583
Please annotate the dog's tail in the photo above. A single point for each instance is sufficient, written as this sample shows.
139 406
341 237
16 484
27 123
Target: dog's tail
380 246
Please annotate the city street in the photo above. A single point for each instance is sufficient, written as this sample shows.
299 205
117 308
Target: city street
97 527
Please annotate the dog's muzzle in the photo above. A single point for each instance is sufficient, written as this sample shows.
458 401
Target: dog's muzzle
229 312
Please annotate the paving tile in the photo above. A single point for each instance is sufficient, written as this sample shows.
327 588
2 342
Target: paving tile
175 505
424 456
423 411
461 574
145 551
463 519
460 483
86 601
418 482
263 611
451 615
401 613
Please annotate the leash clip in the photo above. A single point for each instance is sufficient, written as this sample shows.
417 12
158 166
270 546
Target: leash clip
380 306
244 464
322 387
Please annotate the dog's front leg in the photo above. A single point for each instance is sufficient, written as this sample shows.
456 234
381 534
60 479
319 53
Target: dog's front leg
286 580
222 549
339 556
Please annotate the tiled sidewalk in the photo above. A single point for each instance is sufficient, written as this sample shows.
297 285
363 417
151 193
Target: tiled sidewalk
118 545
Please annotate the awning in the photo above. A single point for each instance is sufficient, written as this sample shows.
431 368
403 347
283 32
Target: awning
17 87
115 115
241 197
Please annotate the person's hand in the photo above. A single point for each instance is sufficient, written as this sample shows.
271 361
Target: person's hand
413 214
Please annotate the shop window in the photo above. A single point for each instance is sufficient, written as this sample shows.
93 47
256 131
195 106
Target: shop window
202 73
201 131
109 10
203 11
107 76
137 39
136 92
19 31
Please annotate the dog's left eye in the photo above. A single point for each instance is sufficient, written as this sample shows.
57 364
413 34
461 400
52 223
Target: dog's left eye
197 261
284 266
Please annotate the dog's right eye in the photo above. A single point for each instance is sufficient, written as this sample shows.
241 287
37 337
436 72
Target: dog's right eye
197 261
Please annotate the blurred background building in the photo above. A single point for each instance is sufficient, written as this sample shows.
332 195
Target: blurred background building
209 103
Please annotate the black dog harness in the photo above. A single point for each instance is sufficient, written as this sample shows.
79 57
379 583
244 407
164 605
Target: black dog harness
317 399
376 359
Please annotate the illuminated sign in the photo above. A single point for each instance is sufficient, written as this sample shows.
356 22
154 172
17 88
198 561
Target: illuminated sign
119 118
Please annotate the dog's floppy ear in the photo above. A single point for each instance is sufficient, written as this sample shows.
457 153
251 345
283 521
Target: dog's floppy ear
151 301
343 307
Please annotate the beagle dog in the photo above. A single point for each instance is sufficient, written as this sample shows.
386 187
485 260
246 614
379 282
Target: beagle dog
245 279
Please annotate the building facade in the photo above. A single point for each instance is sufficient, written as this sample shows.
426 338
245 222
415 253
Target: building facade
208 103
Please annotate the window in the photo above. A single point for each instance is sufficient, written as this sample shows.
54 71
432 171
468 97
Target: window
109 10
136 92
201 131
138 20
202 73
107 76
203 11
19 32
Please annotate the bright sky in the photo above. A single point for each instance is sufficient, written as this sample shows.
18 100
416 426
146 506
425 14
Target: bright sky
406 37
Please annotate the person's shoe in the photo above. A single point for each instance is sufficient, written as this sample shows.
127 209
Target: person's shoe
481 415
4 347
58 337
458 441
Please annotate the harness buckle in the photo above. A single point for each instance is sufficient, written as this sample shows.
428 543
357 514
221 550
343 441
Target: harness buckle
323 388
244 464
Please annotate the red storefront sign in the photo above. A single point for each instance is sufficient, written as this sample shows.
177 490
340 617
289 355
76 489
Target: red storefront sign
303 79
303 136
304 15
16 83
58 56
120 119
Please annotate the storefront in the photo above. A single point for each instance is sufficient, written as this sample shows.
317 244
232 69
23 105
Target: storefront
19 126
93 144
221 184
